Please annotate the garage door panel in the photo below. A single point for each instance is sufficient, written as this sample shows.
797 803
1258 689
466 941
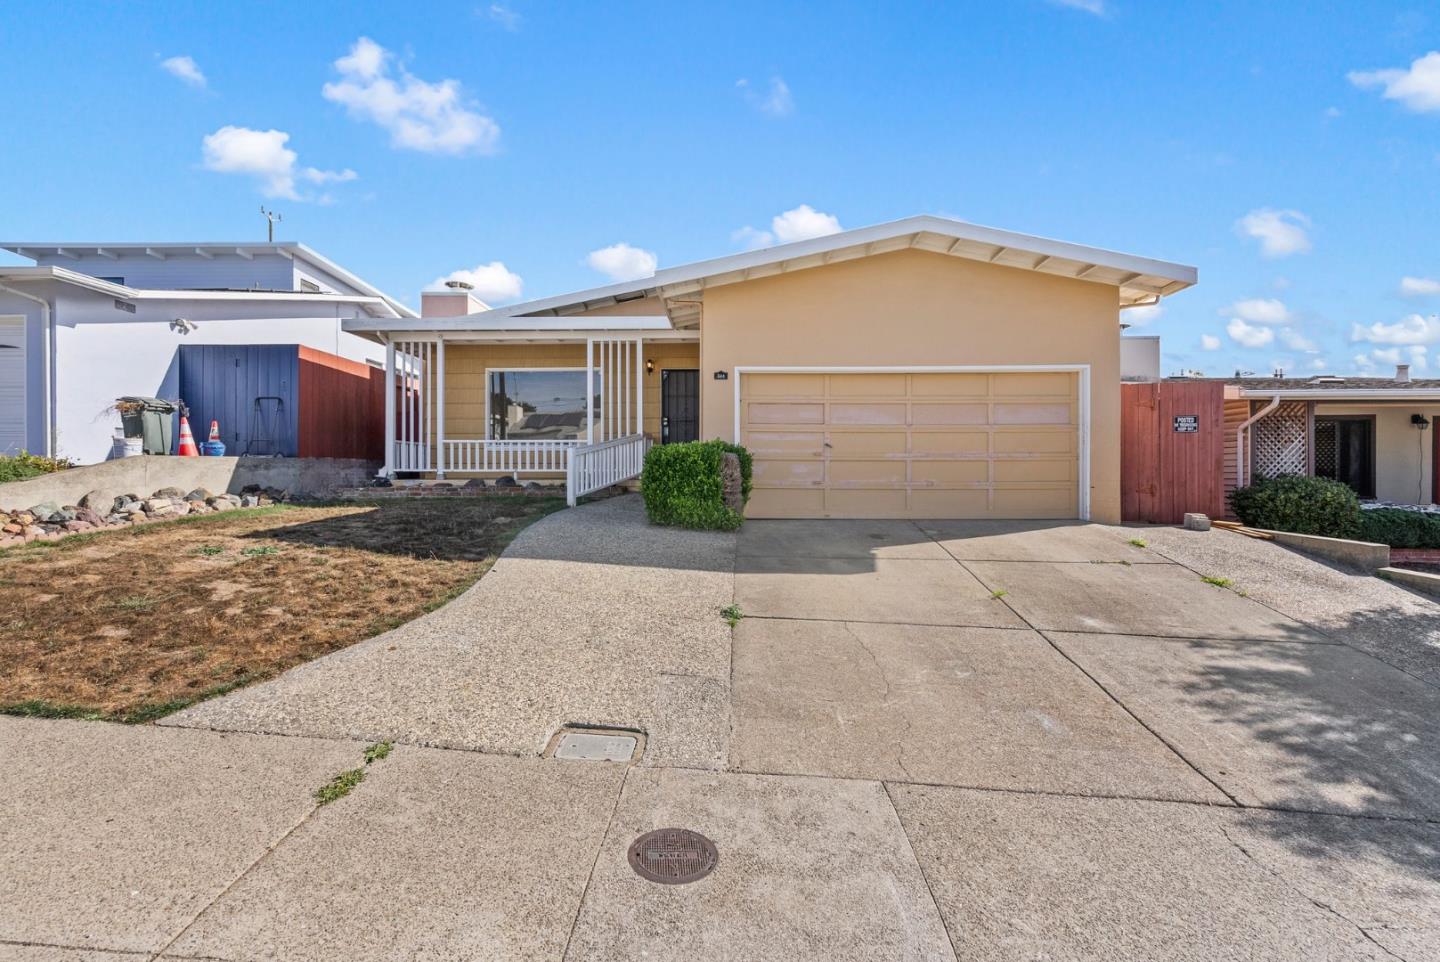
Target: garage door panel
867 385
786 503
1032 412
866 443
1035 470
1047 384
950 472
778 471
785 385
951 503
861 503
953 413
924 445
950 385
1036 442
950 442
888 472
782 444
853 412
1034 503
779 412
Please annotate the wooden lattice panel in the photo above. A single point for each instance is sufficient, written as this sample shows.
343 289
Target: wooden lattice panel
1278 442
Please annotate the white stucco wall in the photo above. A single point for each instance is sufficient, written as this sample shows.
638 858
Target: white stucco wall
102 353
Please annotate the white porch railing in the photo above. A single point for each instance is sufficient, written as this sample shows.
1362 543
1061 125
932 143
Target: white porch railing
597 466
511 456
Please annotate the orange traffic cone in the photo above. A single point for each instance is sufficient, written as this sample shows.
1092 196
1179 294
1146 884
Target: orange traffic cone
187 440
214 430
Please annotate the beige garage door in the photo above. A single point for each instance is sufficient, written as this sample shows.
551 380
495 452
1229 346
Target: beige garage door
888 445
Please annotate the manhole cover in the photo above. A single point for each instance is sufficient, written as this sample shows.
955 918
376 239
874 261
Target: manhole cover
673 856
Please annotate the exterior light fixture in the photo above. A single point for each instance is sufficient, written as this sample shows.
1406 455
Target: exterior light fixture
182 326
1420 421
649 365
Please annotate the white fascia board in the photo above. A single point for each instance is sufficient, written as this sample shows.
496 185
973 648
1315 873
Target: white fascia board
1342 394
65 276
487 321
1176 276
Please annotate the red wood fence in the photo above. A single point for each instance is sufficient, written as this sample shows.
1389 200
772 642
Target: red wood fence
342 407
1172 450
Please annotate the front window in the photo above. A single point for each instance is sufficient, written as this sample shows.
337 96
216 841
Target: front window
540 405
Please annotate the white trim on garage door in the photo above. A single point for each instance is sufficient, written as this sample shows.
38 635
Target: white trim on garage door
1083 370
13 409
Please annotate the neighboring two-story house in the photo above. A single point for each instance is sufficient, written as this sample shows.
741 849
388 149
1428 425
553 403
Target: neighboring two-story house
91 322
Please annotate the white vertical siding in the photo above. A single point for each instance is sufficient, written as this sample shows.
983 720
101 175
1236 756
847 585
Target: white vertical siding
12 384
265 272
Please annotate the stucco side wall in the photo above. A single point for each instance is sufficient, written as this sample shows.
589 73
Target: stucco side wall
912 308
1404 455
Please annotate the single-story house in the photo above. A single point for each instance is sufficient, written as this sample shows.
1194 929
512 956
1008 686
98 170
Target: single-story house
923 368
1377 434
92 322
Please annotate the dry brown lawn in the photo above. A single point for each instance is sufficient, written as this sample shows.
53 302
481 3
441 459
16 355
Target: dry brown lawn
130 625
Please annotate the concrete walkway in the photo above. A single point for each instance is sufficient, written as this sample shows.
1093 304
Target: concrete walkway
941 741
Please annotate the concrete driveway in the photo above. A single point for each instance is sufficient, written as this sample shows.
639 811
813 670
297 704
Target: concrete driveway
922 741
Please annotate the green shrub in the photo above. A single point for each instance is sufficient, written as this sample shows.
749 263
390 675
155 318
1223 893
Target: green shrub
682 486
25 465
1400 528
1304 505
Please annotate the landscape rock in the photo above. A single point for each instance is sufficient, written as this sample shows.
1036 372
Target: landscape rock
506 481
43 510
13 528
249 501
157 504
88 516
1195 521
200 494
65 514
174 494
97 501
473 483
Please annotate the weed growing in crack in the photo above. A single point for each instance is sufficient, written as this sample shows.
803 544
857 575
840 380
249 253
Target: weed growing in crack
732 615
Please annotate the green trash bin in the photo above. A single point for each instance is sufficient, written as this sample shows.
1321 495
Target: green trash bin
149 418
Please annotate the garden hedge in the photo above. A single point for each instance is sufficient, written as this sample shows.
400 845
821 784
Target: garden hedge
1299 503
682 485
1400 528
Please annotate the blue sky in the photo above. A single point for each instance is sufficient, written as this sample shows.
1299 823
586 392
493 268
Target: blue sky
1289 150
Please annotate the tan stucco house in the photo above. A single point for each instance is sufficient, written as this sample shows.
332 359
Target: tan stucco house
923 368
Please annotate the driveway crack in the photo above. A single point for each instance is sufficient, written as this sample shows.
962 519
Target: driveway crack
903 740
1322 906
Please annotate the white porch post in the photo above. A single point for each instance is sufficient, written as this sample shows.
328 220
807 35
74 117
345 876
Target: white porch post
589 390
389 468
440 407
640 386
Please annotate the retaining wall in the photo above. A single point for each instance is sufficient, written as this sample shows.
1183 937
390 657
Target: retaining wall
301 477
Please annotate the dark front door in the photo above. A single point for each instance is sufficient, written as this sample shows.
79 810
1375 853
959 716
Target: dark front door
679 406
1345 451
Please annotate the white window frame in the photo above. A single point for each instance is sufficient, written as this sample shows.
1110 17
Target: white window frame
1083 370
522 370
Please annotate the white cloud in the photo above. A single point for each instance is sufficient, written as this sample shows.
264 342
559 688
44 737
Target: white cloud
1259 310
1247 335
1280 232
430 117
1417 87
504 16
775 101
1097 7
1140 316
1412 329
1209 342
1364 363
797 224
1318 364
1418 357
262 154
621 262
185 68
1419 286
493 283
1296 341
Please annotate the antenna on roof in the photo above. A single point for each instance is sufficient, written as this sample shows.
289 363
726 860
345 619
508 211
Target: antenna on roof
270 219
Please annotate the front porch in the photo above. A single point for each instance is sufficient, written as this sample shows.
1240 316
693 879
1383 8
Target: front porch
582 406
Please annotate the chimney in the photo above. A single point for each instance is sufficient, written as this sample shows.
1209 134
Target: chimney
1402 373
